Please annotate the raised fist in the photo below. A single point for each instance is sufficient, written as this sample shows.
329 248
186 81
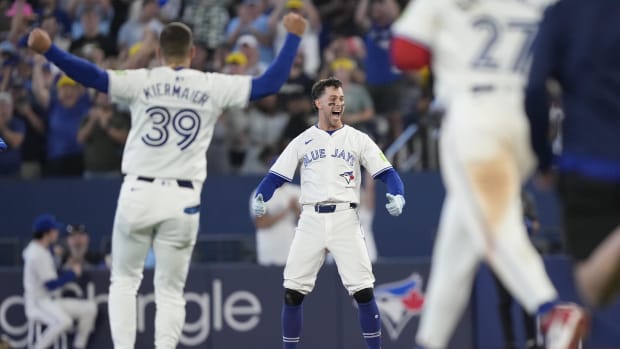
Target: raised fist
39 41
294 23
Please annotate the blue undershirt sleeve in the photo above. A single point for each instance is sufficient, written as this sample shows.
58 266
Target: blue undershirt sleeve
276 75
392 181
79 69
63 279
268 185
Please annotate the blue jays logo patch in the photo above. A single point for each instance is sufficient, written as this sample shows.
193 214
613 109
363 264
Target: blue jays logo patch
348 176
399 302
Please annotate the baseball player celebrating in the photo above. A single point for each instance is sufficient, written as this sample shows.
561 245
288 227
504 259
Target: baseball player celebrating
40 283
329 155
174 110
480 51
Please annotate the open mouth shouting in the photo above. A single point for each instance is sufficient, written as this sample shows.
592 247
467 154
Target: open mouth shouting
337 112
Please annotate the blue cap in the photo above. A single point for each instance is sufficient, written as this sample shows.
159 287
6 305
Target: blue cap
45 222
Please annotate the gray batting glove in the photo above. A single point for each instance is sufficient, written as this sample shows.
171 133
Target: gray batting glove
258 206
395 204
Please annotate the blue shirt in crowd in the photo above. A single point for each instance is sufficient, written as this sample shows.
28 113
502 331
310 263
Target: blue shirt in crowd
10 160
379 67
63 126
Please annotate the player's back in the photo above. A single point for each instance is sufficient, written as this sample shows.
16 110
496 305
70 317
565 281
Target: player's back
475 44
173 113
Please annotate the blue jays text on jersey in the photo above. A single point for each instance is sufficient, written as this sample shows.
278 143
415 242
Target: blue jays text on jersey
173 90
316 154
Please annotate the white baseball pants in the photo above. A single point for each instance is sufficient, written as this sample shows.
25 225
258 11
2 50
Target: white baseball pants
58 315
165 216
485 156
339 233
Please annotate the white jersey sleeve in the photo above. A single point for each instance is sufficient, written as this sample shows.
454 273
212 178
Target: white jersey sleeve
233 91
419 22
372 158
46 271
287 162
125 85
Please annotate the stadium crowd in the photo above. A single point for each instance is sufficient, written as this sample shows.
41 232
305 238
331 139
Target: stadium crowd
55 127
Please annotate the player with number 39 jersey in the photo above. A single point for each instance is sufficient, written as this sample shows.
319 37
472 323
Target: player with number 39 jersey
173 110
173 116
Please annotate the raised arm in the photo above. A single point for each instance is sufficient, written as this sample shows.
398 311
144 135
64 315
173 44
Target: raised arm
80 70
276 75
361 15
314 19
39 88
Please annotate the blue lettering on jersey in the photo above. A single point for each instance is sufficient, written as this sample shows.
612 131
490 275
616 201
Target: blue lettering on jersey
314 155
317 154
169 90
344 155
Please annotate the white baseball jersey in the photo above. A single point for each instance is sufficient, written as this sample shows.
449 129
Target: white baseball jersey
471 48
173 113
274 242
330 164
39 268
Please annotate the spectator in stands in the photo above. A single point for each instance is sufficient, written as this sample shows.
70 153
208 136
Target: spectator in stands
248 45
103 133
236 63
52 7
208 19
265 125
12 131
298 83
337 17
384 81
66 104
309 46
91 36
101 9
33 147
275 230
294 101
344 47
49 23
360 108
22 17
260 164
137 30
78 249
251 20
9 60
5 20
200 61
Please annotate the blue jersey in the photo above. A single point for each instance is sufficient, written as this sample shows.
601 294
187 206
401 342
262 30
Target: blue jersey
578 45
379 68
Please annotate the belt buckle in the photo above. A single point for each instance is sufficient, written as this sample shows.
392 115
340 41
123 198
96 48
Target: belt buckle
325 208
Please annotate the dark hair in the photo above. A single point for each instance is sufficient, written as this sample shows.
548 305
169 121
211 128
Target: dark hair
175 40
319 87
38 235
